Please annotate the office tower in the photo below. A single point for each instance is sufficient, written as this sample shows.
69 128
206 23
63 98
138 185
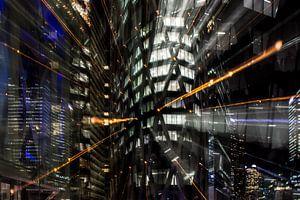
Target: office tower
159 156
253 183
294 104
294 148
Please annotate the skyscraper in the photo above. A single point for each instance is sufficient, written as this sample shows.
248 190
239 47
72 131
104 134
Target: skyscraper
160 156
294 142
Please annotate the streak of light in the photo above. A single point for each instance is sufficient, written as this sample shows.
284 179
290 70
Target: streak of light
273 49
62 23
71 159
192 181
105 121
34 60
252 102
111 29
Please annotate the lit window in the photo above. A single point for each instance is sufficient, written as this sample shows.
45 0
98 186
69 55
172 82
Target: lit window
174 21
105 67
184 55
138 143
173 36
159 86
160 54
173 85
126 81
160 71
174 180
138 81
174 119
106 113
146 43
147 91
186 40
137 67
145 31
150 122
187 72
173 135
159 38
138 52
188 87
137 97
146 139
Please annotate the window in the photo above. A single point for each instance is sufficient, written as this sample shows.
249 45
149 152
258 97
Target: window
145 30
160 70
161 137
188 87
146 139
187 72
184 55
159 86
137 52
173 135
125 96
173 36
174 119
186 40
150 122
137 67
138 81
137 97
146 43
174 21
126 80
138 143
147 91
173 85
160 54
148 106
159 38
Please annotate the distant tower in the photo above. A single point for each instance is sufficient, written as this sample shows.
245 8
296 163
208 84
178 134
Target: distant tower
294 141
294 131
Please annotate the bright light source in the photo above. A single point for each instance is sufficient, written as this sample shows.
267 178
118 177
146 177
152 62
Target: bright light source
106 67
175 159
221 33
106 113
166 151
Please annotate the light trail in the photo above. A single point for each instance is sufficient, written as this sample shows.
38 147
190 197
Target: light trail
251 102
36 180
105 121
103 3
275 48
62 23
192 181
34 60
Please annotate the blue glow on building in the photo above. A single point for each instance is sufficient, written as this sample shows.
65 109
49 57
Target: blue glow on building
29 156
52 22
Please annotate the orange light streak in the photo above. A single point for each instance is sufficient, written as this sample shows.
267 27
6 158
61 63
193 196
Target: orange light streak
69 160
105 121
275 48
193 183
32 59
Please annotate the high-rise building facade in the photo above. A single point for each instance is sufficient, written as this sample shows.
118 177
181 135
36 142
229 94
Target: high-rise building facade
160 155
